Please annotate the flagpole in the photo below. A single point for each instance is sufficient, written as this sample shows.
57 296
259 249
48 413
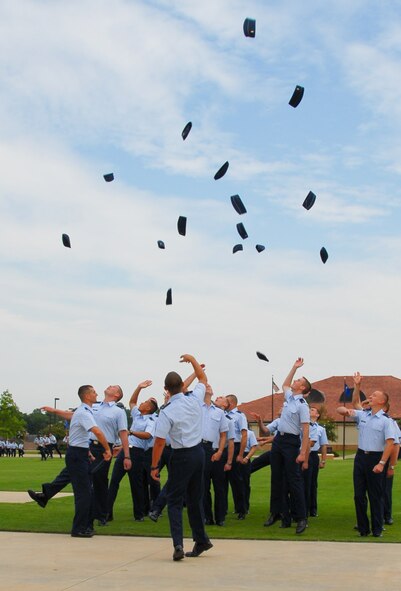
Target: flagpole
272 399
345 403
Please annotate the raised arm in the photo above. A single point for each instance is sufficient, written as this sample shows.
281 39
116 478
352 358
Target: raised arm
288 380
64 414
345 412
198 370
191 378
134 398
356 394
262 429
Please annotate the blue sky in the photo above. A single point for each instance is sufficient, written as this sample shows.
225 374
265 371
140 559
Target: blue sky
95 86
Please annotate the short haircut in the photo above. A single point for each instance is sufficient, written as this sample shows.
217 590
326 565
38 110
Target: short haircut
82 390
153 402
173 382
232 398
308 386
120 391
316 409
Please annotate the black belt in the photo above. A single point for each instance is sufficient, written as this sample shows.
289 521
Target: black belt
96 442
206 442
362 451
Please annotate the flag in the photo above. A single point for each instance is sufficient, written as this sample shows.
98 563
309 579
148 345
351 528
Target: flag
347 392
275 387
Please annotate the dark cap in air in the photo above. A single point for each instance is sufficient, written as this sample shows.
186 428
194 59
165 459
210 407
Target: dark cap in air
186 130
66 240
241 231
237 247
260 247
108 177
249 27
222 171
296 96
309 200
161 244
169 297
261 356
182 225
237 204
323 254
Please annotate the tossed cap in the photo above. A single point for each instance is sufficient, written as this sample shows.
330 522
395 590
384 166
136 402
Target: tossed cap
237 247
323 254
296 96
186 130
260 247
261 356
222 171
108 177
169 297
161 244
66 240
249 27
237 204
309 200
182 225
241 231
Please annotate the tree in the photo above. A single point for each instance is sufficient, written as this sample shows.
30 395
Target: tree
36 422
11 419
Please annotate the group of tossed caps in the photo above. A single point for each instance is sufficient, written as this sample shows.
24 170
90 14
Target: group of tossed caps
249 28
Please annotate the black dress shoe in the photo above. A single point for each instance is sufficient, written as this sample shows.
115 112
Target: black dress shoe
83 534
313 514
209 522
241 516
301 526
285 524
178 553
389 521
39 497
377 535
273 517
199 548
139 519
154 515
102 522
220 523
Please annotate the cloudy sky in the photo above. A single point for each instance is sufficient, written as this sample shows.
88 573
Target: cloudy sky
96 86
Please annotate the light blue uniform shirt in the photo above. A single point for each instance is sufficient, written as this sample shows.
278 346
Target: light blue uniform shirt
373 430
81 423
273 426
214 422
251 440
240 423
181 418
111 420
144 423
321 438
295 412
397 432
230 433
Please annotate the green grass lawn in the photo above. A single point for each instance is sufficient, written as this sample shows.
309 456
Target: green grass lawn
335 522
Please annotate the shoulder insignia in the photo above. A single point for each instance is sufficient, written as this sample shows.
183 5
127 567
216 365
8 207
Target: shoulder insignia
166 405
302 400
151 419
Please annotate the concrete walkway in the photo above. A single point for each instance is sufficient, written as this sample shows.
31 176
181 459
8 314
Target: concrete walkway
57 562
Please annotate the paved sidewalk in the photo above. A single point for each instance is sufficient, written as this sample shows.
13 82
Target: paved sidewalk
57 562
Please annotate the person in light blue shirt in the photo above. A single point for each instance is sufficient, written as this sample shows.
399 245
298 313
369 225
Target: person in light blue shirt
141 432
77 461
181 419
375 444
235 476
314 463
250 448
287 453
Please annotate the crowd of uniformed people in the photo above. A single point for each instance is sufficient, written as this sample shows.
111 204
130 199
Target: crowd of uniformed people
204 443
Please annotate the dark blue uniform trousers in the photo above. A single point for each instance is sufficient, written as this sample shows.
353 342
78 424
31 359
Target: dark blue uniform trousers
367 482
260 462
314 469
286 472
214 473
161 500
236 480
100 479
77 462
185 481
136 478
50 489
